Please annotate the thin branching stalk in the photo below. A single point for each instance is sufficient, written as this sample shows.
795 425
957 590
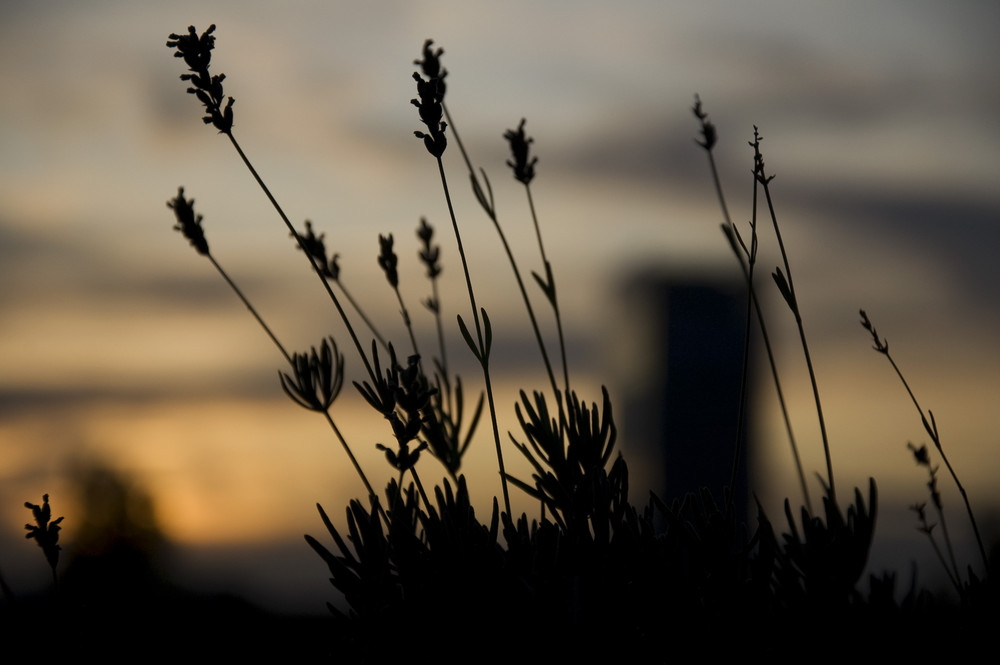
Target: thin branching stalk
709 138
928 529
947 540
930 425
787 288
777 381
961 489
923 459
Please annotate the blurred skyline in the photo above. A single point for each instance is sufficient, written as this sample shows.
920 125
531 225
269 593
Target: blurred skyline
119 344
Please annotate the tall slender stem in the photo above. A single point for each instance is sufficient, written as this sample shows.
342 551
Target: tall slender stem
741 411
802 335
484 359
730 229
781 399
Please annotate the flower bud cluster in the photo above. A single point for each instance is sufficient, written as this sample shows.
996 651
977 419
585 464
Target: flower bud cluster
197 54
45 530
315 246
524 169
387 259
708 133
187 222
319 376
403 397
430 254
431 94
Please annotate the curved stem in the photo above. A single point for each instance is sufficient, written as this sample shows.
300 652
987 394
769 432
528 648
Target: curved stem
931 428
802 337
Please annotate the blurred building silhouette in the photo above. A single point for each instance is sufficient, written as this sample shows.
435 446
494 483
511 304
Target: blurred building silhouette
683 383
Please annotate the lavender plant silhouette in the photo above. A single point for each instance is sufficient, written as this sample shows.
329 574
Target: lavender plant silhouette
413 563
590 575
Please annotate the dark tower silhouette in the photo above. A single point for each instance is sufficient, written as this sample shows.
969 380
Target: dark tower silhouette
684 406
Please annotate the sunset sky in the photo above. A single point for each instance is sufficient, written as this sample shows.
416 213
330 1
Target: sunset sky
120 346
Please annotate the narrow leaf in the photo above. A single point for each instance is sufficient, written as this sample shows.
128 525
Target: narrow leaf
786 292
489 333
468 339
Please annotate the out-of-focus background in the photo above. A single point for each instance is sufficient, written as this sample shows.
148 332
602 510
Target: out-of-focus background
127 366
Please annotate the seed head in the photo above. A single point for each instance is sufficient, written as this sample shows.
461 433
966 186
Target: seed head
44 531
708 133
920 455
524 169
197 54
319 376
187 222
758 158
431 94
881 345
315 247
430 253
387 259
431 63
